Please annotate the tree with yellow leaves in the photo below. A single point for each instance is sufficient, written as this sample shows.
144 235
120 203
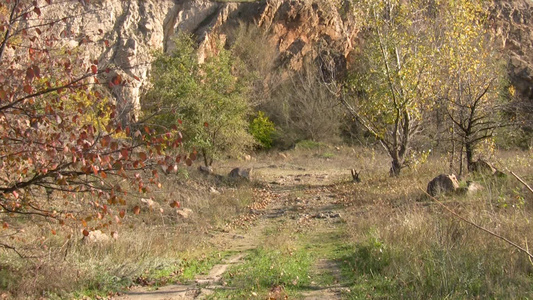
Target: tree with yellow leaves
388 87
417 56
471 79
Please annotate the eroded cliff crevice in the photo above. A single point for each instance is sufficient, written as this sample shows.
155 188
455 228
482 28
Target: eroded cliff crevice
130 31
512 23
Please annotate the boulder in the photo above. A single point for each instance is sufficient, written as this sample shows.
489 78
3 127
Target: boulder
443 184
184 213
482 167
96 237
241 173
473 187
205 170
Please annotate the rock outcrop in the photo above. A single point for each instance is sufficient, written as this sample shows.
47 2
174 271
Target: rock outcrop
443 184
512 23
241 174
124 34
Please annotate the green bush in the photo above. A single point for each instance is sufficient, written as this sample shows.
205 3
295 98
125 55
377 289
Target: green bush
207 101
309 145
262 129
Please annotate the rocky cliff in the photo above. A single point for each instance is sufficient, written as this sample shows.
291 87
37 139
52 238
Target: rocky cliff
512 22
132 30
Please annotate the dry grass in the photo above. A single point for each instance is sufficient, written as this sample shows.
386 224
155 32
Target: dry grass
424 252
405 246
152 244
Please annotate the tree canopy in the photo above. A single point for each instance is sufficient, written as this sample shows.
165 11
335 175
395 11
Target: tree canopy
59 135
208 101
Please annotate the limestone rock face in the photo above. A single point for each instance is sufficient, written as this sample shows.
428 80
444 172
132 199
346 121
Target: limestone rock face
512 22
121 35
124 34
299 26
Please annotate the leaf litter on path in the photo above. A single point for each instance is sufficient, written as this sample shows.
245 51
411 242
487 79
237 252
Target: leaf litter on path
303 206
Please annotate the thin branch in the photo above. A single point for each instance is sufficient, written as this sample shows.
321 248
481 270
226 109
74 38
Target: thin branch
513 244
5 246
8 30
522 181
43 92
30 213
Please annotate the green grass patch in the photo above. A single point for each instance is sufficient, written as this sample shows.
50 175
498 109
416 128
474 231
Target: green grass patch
192 268
185 269
102 285
265 269
309 145
168 272
327 155
363 266
374 269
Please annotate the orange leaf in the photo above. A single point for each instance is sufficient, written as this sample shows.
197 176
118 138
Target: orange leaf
124 153
105 141
37 71
117 80
175 204
142 156
28 89
3 95
30 74
5 225
136 210
122 213
85 232
193 155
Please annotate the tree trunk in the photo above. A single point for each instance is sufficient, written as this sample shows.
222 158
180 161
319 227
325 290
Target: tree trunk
469 151
461 160
452 139
395 168
207 161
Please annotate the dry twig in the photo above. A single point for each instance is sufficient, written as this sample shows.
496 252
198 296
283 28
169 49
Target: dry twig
515 245
522 181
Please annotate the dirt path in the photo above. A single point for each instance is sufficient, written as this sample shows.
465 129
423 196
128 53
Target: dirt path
300 200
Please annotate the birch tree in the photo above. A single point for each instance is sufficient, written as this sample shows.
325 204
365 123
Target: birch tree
471 80
388 89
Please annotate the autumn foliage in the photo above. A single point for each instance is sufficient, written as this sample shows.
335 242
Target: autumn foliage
63 155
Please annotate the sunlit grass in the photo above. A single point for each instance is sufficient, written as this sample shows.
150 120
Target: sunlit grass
406 246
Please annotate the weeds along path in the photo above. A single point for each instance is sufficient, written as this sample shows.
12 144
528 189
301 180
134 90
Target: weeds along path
286 247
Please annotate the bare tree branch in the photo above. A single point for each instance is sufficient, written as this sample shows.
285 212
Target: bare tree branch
449 210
